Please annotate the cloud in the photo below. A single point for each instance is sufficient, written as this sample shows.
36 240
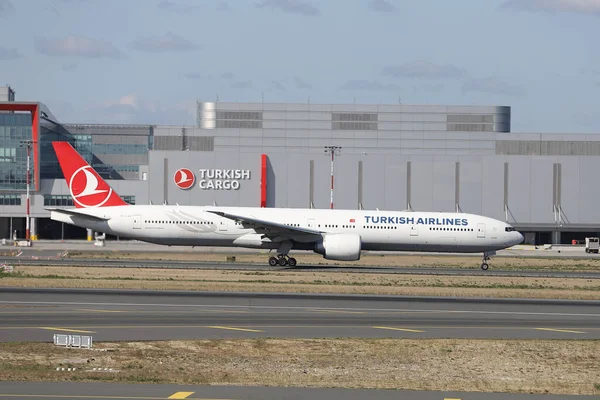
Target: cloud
77 46
591 119
223 6
177 7
301 84
69 67
382 6
193 75
591 7
590 71
291 6
6 7
368 85
429 88
189 9
130 109
241 84
424 69
492 85
278 86
9 54
168 42
55 11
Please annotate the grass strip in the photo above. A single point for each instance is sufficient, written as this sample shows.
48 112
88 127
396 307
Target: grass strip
518 366
291 281
516 262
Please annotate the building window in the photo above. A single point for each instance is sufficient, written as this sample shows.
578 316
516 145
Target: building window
10 200
240 115
345 121
14 128
129 200
58 200
66 200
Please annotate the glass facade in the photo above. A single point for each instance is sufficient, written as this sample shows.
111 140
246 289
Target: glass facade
14 128
67 200
114 151
10 200
51 132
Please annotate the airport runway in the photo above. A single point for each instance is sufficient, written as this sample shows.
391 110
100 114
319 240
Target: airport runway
117 391
110 315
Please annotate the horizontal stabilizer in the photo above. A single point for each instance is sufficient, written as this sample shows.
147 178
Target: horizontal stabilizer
75 212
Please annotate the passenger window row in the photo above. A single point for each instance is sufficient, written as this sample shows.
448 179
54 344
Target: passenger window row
179 222
451 229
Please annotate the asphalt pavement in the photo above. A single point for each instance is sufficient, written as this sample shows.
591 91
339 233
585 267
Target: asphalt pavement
117 391
29 314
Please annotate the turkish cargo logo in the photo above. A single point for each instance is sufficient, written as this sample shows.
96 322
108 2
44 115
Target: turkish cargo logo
87 190
184 178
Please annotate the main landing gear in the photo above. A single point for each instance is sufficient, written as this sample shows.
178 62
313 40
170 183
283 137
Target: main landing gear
484 263
282 260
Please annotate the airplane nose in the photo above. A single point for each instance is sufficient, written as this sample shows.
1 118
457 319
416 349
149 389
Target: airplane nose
519 238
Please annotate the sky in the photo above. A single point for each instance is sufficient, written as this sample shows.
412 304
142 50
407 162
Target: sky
150 61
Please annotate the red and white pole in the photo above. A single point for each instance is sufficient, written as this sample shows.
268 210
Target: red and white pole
27 237
331 197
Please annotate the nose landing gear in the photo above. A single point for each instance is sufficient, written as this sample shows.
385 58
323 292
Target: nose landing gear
486 258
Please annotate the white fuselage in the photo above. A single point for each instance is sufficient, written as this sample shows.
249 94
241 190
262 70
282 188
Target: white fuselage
378 230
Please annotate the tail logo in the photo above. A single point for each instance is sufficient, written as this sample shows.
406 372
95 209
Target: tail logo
184 178
85 188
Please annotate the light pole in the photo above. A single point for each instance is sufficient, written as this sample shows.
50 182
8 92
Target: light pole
28 144
333 150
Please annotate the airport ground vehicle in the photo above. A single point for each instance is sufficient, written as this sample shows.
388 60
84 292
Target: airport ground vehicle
592 245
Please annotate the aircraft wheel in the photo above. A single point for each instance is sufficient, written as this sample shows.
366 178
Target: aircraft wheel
292 262
282 262
272 261
484 266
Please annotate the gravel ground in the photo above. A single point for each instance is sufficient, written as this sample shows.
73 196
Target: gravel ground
535 366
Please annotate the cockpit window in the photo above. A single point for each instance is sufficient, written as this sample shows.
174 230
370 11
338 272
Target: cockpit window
509 229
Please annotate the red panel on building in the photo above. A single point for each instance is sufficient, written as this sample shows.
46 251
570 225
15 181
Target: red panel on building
33 108
263 180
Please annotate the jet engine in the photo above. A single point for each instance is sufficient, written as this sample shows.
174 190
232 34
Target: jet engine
339 246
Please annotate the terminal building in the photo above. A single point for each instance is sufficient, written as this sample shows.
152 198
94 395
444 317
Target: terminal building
387 157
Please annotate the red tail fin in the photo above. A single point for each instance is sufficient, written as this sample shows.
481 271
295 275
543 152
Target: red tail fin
87 188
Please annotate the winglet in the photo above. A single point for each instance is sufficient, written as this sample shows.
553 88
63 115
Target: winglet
87 188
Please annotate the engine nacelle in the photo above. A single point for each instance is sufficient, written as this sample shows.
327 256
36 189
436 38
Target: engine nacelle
339 246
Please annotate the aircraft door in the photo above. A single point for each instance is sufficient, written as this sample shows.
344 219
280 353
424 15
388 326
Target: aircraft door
310 223
137 222
223 224
480 230
414 230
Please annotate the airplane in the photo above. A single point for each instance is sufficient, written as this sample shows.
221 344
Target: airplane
335 234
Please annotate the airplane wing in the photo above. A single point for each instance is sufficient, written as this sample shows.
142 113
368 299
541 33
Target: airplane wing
75 212
271 228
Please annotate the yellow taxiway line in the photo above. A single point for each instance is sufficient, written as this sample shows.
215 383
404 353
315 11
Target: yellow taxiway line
180 395
397 329
338 311
66 396
557 330
230 328
64 329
